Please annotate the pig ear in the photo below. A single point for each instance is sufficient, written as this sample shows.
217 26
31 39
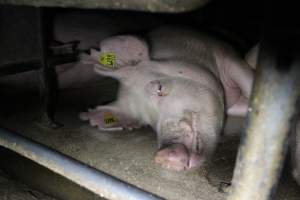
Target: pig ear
128 49
159 88
94 59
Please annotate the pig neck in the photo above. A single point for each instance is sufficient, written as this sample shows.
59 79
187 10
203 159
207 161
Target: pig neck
142 108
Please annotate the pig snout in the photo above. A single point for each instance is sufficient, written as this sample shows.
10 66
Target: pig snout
177 157
188 126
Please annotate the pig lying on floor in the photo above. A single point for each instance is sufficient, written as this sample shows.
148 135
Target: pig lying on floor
181 83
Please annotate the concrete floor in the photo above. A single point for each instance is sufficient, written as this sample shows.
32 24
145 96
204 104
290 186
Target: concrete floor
129 155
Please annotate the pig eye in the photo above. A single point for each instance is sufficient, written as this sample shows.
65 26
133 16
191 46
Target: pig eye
158 88
161 90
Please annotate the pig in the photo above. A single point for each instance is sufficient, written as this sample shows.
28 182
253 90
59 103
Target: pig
180 82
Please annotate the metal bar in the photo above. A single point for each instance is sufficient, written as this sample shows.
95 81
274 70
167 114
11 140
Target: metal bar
48 81
171 6
87 177
264 143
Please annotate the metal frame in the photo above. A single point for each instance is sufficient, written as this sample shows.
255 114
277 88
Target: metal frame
265 142
40 59
263 145
169 6
87 177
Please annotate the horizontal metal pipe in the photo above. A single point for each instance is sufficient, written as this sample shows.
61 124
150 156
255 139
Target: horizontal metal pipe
169 6
264 144
87 177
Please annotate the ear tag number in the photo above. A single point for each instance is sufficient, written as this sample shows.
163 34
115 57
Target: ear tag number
108 60
109 119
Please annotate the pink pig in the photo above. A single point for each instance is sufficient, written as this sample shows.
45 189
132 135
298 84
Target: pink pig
180 83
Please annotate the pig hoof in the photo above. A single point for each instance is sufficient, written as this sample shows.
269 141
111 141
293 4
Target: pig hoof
177 157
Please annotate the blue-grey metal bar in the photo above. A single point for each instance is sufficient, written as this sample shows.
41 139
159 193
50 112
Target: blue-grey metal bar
87 177
263 146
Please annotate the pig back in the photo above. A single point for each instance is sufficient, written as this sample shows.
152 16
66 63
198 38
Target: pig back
172 43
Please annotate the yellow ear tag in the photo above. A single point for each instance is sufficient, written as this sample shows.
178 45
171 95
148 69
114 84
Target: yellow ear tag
109 119
108 60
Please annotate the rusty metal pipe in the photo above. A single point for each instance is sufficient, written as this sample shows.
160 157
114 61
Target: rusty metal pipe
264 143
93 180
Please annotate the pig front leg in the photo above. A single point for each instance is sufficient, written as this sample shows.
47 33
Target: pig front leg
237 78
109 118
238 87
239 108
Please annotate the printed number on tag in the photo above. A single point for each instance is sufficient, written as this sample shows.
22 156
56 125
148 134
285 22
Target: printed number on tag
109 119
108 60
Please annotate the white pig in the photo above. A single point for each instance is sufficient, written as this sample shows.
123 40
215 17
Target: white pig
180 83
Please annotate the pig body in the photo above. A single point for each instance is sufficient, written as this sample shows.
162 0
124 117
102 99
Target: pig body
177 87
235 75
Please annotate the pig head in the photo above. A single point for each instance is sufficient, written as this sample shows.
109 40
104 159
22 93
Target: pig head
182 102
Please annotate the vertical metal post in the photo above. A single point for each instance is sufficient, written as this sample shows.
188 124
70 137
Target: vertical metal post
48 83
264 143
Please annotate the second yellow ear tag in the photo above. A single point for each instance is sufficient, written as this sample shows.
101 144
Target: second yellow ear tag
109 119
108 60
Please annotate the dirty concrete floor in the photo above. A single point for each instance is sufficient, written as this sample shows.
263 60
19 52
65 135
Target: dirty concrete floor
129 155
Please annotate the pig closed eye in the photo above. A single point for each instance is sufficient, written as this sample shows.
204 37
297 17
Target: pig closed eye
161 90
158 88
